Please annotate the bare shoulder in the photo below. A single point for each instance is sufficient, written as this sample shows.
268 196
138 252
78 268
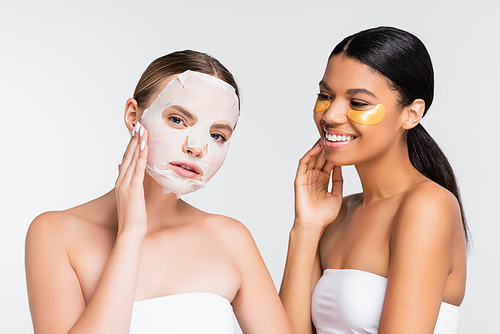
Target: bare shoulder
49 228
428 198
54 287
428 210
427 256
47 242
230 231
57 228
432 192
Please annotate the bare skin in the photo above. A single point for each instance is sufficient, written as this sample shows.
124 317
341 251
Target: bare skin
403 226
86 266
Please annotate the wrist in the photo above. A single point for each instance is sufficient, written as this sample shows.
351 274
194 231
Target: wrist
307 231
130 234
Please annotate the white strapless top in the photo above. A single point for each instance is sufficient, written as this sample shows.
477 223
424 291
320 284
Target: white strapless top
348 301
186 313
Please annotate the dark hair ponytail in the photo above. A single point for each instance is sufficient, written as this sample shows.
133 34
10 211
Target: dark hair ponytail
403 59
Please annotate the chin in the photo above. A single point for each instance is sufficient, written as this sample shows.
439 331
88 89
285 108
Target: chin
339 160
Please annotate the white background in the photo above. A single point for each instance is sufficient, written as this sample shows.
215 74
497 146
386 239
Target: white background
67 68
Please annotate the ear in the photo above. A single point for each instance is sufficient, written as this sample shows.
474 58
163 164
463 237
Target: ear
413 114
132 114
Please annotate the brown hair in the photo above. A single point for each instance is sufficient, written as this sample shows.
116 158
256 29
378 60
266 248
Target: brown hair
176 63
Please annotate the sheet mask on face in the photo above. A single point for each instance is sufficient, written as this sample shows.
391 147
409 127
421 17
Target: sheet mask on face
364 117
172 149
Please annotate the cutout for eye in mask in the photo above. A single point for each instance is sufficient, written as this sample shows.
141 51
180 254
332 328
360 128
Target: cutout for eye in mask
364 117
368 117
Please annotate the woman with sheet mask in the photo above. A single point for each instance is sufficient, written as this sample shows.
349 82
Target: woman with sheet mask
391 259
139 259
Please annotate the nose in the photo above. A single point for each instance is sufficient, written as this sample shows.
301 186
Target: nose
336 114
193 149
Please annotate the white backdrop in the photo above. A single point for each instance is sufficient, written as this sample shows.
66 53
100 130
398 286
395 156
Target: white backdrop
67 68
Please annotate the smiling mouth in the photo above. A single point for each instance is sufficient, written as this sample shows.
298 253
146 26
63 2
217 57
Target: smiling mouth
337 138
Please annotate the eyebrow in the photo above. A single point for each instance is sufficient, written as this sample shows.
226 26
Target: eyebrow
323 83
186 112
352 91
222 127
360 90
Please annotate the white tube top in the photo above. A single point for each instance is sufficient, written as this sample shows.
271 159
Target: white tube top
348 301
186 313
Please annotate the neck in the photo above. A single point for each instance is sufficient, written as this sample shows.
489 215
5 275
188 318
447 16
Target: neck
163 210
388 175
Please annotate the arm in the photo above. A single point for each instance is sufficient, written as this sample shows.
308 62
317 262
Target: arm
55 295
302 272
256 304
422 236
315 207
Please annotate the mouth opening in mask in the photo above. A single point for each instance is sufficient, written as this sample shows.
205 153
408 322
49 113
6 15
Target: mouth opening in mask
186 169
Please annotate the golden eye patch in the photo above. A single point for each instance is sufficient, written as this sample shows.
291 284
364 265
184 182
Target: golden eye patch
321 105
364 117
367 117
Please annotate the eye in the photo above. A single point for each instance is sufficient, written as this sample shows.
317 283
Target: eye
323 97
218 138
358 104
176 121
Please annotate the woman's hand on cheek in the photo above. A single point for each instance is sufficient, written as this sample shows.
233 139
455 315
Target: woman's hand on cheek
129 188
315 206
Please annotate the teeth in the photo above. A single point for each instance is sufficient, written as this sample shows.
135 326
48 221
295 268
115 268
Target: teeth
187 167
338 138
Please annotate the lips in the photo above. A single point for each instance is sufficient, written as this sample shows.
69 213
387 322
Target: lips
337 139
186 169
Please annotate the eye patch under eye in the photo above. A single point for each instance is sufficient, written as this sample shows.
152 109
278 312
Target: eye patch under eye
368 117
321 105
364 117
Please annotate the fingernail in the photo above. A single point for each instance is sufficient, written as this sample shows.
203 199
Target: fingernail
141 132
143 143
136 128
